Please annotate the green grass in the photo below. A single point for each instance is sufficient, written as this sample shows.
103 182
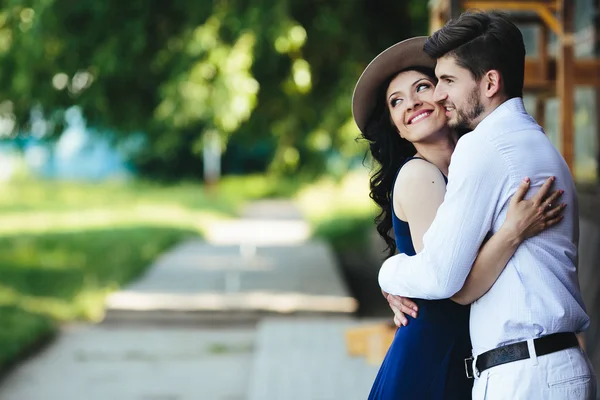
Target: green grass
340 212
20 330
66 275
345 231
49 278
225 198
64 246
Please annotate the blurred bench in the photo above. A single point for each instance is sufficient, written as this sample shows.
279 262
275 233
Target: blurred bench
370 341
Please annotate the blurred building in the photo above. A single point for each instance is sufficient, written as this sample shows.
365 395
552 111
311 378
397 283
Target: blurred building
562 71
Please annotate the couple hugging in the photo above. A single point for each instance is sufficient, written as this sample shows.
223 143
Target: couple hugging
482 273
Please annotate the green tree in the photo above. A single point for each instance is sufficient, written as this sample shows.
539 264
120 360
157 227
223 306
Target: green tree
274 77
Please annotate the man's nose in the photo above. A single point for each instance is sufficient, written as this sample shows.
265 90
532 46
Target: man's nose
439 94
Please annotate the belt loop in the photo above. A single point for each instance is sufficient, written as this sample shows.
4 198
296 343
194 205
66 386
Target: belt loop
532 353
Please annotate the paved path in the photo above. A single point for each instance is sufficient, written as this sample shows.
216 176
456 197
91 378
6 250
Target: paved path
178 332
137 363
198 276
306 359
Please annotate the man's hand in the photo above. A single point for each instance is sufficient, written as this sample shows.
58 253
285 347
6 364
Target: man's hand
401 306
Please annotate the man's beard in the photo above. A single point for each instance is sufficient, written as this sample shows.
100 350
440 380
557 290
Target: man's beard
465 118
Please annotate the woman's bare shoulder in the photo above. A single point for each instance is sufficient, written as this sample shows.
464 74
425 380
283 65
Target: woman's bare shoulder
419 172
420 186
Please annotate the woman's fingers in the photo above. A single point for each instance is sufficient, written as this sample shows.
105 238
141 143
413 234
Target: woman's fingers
552 200
554 221
555 211
543 191
521 191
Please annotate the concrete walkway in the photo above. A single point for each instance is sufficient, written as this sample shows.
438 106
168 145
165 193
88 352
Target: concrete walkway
306 358
137 363
199 276
187 328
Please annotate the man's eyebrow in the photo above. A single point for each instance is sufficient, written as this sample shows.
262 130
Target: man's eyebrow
446 76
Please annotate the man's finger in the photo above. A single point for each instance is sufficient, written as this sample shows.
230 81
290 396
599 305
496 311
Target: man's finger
403 300
400 317
398 303
397 322
409 303
398 313
521 191
543 191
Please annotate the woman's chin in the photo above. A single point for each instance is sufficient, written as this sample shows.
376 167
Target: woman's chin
428 130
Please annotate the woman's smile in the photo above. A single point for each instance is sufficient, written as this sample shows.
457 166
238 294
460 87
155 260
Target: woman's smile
419 116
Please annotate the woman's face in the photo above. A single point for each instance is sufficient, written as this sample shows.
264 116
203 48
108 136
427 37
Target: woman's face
409 98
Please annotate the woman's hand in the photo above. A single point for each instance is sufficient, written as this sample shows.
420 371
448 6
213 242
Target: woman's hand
401 306
527 218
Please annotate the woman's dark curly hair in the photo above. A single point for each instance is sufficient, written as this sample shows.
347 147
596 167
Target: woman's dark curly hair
390 151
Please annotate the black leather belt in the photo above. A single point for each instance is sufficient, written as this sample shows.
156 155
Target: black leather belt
520 351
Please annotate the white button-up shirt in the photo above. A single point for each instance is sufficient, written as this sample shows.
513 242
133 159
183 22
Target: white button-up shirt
538 292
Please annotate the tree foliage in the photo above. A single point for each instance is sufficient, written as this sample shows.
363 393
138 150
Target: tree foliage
273 78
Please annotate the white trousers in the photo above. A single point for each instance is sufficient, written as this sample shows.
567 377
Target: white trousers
563 375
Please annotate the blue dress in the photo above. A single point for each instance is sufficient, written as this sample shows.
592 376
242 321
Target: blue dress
426 357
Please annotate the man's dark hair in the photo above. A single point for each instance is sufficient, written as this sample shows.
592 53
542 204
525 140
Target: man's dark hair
482 41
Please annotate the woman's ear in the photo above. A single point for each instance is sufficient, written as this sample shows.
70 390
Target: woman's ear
492 80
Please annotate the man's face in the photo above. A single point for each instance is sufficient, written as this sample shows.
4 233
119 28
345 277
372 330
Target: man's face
459 93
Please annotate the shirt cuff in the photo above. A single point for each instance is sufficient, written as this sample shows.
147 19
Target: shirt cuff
389 277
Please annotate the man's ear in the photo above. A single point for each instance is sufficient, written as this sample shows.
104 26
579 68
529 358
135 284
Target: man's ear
491 83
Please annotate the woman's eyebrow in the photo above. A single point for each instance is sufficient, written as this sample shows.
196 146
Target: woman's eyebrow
413 85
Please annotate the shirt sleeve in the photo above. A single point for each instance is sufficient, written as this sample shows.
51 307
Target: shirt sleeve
450 246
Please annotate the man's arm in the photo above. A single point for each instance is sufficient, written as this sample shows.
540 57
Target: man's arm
476 182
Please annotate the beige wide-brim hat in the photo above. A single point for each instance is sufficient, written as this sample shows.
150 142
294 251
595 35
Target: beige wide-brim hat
402 55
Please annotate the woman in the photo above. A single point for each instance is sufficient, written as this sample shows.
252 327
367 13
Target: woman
394 109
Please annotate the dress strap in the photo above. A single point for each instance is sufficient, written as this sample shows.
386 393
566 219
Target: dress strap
417 158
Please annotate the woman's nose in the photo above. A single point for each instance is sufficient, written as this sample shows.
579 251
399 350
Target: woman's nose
414 102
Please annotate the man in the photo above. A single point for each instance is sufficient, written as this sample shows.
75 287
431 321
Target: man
523 329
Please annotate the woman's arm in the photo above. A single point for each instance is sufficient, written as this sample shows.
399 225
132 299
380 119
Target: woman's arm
524 219
418 192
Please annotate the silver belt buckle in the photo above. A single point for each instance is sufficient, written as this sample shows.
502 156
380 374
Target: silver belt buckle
467 361
472 361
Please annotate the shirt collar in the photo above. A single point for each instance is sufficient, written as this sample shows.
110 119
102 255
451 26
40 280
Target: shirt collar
510 106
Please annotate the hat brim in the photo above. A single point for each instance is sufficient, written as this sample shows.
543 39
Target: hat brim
402 55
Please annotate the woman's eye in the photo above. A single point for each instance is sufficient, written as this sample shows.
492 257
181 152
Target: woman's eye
422 86
395 102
